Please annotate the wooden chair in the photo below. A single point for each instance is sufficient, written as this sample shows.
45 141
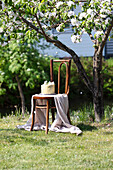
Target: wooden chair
49 98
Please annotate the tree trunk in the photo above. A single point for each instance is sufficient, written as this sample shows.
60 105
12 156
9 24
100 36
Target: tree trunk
98 87
21 95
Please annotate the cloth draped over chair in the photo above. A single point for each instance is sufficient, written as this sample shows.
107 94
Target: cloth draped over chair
60 124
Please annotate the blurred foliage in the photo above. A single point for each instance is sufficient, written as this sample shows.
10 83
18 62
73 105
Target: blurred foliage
108 77
24 60
77 86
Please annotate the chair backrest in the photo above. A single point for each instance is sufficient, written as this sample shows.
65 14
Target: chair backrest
67 62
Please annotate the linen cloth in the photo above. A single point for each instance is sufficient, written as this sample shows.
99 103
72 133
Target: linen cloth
60 124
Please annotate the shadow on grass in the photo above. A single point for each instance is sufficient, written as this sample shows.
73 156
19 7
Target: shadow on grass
13 136
86 127
108 133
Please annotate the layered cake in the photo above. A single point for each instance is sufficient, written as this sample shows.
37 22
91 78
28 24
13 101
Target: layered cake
48 88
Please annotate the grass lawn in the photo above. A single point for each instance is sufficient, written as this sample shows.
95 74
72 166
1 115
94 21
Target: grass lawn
21 149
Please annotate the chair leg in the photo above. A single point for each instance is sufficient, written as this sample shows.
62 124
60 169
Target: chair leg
33 116
47 117
53 115
53 112
68 116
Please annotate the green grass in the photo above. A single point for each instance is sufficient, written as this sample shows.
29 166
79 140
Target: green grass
34 150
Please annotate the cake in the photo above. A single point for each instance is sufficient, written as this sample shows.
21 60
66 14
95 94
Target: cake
48 88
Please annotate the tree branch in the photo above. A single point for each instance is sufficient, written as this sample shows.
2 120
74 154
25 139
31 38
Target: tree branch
92 38
107 32
30 24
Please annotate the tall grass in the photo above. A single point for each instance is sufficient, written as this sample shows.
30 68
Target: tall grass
86 113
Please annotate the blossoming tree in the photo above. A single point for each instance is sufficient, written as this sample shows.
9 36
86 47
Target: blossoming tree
40 16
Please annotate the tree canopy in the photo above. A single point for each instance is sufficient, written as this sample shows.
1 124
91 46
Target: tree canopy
41 16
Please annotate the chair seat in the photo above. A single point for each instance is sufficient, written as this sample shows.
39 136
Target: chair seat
44 96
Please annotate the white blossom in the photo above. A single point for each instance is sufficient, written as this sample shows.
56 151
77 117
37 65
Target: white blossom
1 29
82 15
3 5
107 21
28 69
76 38
106 1
52 14
40 14
71 13
80 4
74 22
59 4
11 29
44 26
47 14
2 73
99 33
103 16
70 3
84 31
20 34
104 10
89 11
16 2
97 20
58 28
5 43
